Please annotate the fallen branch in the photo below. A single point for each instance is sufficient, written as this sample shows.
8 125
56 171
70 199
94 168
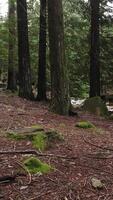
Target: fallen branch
37 154
29 152
26 170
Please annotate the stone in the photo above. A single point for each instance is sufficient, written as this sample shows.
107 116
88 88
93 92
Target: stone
95 105
96 183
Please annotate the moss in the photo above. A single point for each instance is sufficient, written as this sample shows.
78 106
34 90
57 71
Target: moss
96 106
40 141
54 136
85 125
34 166
15 136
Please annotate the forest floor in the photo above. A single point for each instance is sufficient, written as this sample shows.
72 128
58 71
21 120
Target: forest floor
72 178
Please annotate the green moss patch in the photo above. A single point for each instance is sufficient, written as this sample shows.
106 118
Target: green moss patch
44 140
15 136
34 166
96 106
40 141
85 124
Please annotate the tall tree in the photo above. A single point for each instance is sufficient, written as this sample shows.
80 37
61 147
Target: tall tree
11 51
25 88
95 49
42 53
59 80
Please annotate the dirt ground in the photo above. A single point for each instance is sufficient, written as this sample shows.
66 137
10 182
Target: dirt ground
89 152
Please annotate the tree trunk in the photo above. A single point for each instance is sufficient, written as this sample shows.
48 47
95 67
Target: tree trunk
11 54
95 50
59 79
25 88
42 53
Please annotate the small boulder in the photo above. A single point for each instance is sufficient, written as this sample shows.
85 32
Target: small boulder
95 105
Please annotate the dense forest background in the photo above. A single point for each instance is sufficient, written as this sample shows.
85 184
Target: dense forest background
77 43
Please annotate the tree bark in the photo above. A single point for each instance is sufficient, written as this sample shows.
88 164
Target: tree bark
42 53
25 88
59 78
95 49
11 85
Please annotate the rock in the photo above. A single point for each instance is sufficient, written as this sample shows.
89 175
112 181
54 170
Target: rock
27 131
36 135
96 183
54 136
96 106
30 130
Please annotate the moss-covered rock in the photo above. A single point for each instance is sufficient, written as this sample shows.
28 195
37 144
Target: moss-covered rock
96 106
15 136
85 124
54 136
44 140
40 139
34 166
32 129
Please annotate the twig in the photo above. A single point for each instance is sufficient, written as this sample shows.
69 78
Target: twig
95 168
25 169
98 146
40 195
28 152
37 154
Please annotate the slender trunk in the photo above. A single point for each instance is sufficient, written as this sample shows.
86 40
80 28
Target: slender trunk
95 50
42 53
59 80
11 85
25 88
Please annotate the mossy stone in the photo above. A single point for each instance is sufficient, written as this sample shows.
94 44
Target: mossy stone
40 139
96 106
34 166
54 136
85 124
15 136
